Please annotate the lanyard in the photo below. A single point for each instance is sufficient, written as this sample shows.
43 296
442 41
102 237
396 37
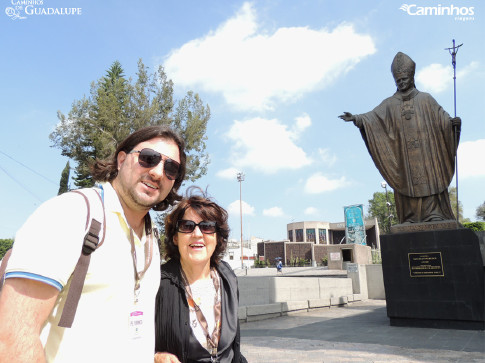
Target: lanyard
212 340
148 254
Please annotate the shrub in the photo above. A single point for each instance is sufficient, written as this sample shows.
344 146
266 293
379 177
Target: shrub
376 256
475 226
5 245
303 262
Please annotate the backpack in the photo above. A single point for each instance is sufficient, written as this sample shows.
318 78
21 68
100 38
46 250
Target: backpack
91 242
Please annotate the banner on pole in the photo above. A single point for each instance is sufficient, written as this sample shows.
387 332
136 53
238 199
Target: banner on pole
354 224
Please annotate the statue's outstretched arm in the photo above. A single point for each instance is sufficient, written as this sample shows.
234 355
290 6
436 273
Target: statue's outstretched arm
347 116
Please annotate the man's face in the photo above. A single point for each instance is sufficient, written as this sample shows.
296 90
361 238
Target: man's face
141 188
403 82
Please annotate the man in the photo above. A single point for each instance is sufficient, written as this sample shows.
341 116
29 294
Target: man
413 143
279 267
124 274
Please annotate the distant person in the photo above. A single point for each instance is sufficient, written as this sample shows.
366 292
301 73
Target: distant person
279 267
197 303
413 143
119 292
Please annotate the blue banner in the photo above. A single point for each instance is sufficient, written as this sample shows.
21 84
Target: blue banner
354 224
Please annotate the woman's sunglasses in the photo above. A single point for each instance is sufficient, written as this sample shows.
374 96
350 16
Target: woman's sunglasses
186 226
149 158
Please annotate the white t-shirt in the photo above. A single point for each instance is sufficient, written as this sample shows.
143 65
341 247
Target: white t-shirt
47 248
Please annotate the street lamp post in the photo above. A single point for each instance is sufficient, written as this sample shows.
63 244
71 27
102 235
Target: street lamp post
240 179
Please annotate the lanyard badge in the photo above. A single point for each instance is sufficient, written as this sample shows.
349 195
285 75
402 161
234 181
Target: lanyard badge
136 324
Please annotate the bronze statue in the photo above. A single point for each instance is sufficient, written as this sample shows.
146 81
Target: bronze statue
411 140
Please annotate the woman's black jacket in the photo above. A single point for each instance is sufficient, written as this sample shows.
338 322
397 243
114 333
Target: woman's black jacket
173 333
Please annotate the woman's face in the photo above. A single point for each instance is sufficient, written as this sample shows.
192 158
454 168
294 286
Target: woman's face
195 247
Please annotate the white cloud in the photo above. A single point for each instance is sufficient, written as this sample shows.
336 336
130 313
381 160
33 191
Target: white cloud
311 211
302 123
464 72
469 152
434 78
255 68
234 208
229 173
328 158
437 78
319 183
273 212
266 146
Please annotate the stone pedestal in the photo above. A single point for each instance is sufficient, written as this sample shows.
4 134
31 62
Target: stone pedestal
434 279
421 227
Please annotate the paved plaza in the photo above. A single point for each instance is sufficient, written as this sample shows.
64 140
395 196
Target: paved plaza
359 332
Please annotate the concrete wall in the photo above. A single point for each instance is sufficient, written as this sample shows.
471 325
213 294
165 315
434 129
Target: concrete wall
268 289
358 274
263 296
375 282
254 290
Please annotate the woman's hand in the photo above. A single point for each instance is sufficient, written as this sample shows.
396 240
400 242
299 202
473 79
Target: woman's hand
163 357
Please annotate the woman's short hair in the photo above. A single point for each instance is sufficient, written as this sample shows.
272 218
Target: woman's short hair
107 170
207 209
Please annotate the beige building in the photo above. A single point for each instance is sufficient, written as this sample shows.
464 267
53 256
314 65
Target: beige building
327 233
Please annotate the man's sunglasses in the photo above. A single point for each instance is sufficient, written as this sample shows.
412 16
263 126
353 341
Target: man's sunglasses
186 226
149 158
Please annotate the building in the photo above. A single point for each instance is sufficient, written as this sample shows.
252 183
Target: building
311 242
330 233
233 252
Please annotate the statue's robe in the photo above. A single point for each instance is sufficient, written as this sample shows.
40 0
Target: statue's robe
411 140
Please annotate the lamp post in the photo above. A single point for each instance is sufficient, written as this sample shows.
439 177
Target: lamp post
389 215
240 179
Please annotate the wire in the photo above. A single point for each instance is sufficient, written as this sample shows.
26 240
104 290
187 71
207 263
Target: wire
25 166
19 183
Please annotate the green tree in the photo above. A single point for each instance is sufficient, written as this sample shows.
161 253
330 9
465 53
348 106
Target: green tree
452 194
5 245
160 221
480 214
64 182
118 106
380 209
475 226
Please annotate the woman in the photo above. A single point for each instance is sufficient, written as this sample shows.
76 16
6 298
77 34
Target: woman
197 302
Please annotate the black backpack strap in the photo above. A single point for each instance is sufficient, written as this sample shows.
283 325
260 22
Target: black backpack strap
90 243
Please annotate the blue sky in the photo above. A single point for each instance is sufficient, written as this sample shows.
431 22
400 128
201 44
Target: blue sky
275 73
